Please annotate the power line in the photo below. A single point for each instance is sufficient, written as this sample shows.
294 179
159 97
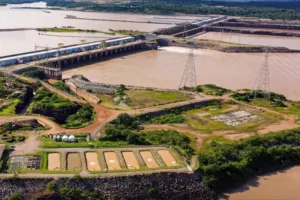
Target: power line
189 79
262 83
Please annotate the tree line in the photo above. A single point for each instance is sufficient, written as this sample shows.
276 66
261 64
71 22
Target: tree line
225 165
288 10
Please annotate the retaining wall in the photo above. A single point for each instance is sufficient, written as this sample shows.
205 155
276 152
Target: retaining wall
104 88
179 108
81 92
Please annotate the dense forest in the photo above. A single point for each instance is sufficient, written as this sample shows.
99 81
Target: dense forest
262 9
225 165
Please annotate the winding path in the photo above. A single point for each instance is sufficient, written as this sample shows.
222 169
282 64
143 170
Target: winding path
103 114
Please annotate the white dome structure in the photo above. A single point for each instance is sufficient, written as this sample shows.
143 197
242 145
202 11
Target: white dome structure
65 138
72 138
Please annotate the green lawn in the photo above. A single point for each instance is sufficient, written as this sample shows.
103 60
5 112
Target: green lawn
200 119
49 143
293 107
107 101
216 138
11 109
144 99
149 98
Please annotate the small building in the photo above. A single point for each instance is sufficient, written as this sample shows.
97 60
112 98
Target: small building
57 137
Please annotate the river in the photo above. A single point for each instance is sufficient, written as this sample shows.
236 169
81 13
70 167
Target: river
264 40
164 68
14 16
280 185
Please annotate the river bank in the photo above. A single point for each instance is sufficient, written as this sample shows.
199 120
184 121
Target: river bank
282 184
219 45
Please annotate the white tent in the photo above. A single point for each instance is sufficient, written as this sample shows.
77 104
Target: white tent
65 138
72 138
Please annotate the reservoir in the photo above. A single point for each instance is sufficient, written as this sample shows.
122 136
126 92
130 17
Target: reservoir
164 68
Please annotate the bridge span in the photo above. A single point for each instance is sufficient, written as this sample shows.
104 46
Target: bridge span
53 66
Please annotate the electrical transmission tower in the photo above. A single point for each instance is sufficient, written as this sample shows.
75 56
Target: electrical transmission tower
262 83
189 79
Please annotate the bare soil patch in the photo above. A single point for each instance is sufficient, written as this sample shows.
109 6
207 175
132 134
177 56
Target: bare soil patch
167 158
149 159
92 161
130 160
112 161
53 161
74 162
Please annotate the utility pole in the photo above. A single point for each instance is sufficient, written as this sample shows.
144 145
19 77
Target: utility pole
262 83
189 79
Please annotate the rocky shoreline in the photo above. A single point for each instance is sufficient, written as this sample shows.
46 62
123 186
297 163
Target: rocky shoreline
169 186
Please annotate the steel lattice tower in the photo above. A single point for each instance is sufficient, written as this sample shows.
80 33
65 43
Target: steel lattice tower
262 83
189 79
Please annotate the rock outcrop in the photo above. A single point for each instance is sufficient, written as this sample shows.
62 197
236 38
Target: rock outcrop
169 186
59 115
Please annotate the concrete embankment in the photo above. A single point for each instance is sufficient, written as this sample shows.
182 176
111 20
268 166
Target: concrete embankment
221 46
234 23
152 186
255 32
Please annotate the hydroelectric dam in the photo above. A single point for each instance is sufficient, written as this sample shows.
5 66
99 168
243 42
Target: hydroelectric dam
53 61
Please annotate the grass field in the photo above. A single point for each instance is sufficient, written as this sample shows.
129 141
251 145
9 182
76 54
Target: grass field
107 101
144 99
129 32
200 119
11 109
293 107
49 143
69 30
215 138
148 98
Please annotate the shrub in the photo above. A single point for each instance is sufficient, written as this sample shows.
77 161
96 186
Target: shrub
276 100
45 99
168 119
38 73
62 86
214 90
81 118
17 196
168 137
70 193
125 121
198 88
51 186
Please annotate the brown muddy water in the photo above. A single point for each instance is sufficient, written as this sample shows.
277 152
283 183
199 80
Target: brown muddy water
280 185
164 68
37 18
11 18
265 40
10 41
